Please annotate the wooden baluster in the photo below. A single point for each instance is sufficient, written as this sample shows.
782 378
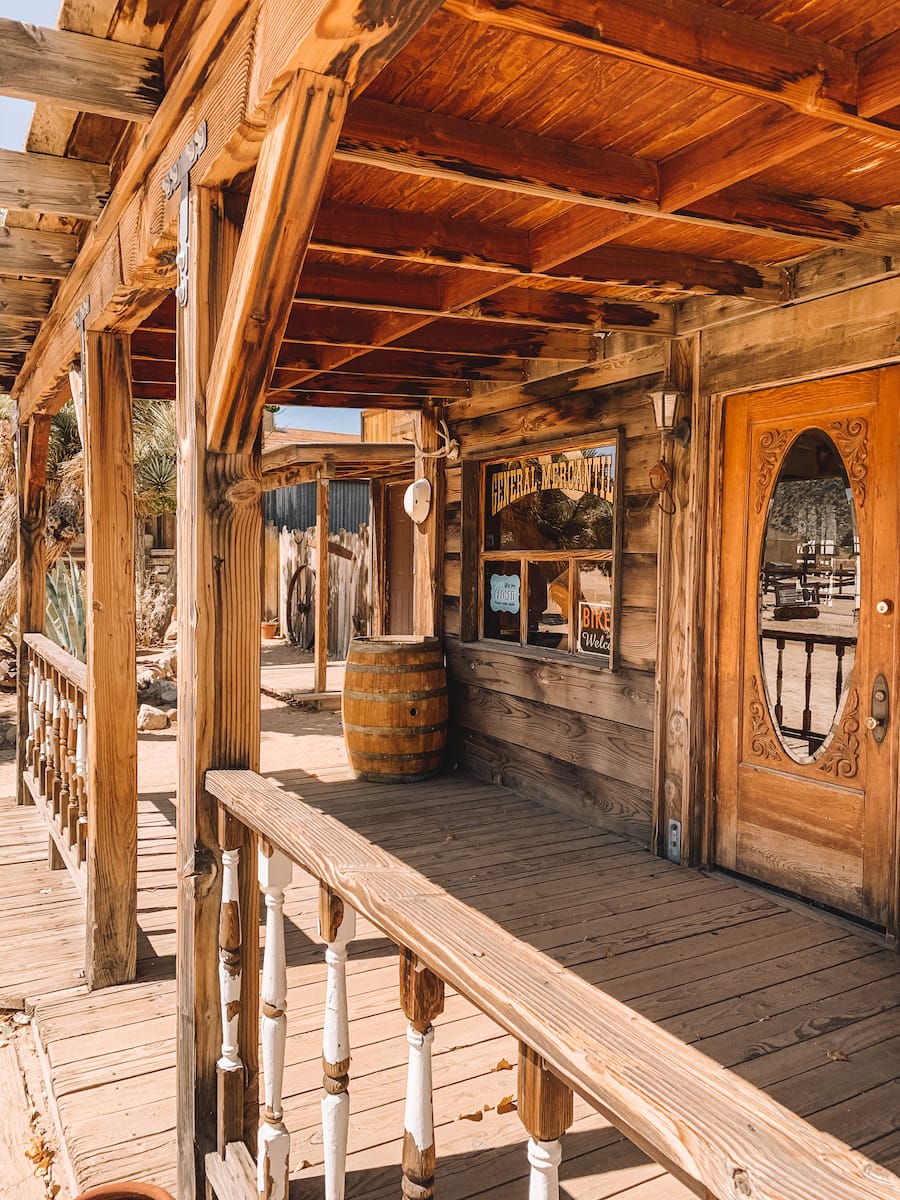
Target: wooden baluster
61 798
49 699
37 745
32 708
337 926
81 776
779 680
71 756
807 711
46 717
229 1068
273 1151
838 674
546 1108
422 999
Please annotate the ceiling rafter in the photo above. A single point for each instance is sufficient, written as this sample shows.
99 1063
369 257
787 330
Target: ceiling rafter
36 253
84 73
716 47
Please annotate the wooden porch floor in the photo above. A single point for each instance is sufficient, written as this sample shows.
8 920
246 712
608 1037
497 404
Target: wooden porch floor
798 1005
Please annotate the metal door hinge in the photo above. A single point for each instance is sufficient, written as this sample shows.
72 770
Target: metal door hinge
179 176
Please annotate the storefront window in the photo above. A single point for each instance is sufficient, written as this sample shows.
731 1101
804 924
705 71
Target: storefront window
548 551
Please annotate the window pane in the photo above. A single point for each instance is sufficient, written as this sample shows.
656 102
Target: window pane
548 604
561 501
595 608
502 601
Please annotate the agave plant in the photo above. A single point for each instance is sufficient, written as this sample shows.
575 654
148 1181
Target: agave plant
65 616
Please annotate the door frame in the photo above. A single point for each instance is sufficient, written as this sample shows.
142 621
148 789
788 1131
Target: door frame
706 835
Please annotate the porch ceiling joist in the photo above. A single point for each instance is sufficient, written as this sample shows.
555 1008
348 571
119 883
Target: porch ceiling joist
25 299
362 385
406 364
359 230
88 74
43 183
314 399
36 253
16 336
435 146
425 295
716 47
340 456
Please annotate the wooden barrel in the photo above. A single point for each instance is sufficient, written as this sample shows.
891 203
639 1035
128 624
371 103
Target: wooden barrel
395 708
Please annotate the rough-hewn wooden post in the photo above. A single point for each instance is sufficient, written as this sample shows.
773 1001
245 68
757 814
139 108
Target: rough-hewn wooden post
546 1109
321 644
422 999
31 458
111 952
218 549
428 538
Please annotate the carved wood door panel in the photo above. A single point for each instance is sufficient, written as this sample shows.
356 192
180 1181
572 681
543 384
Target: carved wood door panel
807 662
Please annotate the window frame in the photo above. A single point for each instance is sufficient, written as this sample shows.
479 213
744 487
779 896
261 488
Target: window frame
572 558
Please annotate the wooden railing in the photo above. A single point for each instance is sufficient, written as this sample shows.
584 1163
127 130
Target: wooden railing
717 1134
56 751
839 645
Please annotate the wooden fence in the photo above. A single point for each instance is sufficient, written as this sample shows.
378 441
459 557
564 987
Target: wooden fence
291 561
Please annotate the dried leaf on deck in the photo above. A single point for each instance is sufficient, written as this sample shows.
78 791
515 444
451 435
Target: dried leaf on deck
477 1115
507 1105
502 1065
836 1056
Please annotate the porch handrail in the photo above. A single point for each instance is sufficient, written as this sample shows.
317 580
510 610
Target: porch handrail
719 1135
56 751
60 660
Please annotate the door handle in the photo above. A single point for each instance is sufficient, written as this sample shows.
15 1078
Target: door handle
877 721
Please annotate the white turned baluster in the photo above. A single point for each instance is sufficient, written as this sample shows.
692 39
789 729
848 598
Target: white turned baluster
337 925
81 776
544 1158
32 709
422 1000
49 696
40 738
273 1152
230 962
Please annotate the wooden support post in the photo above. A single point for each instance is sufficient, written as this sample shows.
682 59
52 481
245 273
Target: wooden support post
111 951
469 543
337 927
428 538
321 644
274 1145
218 548
31 446
546 1109
422 999
378 551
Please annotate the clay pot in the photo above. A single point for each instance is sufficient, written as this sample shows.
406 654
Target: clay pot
269 629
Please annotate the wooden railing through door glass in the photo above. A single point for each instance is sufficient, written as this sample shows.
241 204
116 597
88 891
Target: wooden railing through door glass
717 1134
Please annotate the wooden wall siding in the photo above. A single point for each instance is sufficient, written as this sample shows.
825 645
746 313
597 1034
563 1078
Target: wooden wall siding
509 706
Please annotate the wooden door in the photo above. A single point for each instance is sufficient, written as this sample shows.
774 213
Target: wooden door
400 564
806 791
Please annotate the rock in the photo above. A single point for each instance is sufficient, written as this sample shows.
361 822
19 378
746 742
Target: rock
146 679
172 714
168 665
151 718
161 693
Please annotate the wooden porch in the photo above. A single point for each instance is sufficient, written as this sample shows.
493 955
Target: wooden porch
800 1005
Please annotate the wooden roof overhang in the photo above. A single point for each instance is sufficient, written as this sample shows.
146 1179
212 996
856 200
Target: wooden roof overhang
511 186
306 462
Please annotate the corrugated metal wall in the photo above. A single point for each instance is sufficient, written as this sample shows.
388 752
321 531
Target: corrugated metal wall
295 507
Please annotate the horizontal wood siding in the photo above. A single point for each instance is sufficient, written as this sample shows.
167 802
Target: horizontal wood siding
578 738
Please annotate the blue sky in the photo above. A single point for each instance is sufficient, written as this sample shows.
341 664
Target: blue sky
15 117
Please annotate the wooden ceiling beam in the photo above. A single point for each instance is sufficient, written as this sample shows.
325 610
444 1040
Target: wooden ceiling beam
713 46
87 74
44 183
25 299
35 253
361 385
359 230
426 296
293 398
16 336
339 454
409 364
430 145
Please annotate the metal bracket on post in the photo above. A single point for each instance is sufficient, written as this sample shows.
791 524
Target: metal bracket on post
76 380
179 176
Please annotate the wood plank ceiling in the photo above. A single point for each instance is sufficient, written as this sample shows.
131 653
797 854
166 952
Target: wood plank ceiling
525 176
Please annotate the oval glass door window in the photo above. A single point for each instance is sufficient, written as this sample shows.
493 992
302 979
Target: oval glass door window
809 595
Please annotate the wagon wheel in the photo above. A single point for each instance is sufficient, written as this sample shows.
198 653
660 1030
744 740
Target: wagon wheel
297 607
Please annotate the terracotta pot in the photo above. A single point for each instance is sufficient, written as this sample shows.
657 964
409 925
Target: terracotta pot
125 1191
269 628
